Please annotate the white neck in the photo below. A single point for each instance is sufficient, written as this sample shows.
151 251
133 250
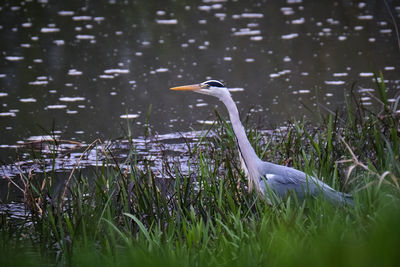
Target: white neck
251 160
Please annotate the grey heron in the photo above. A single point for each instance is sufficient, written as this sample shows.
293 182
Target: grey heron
266 177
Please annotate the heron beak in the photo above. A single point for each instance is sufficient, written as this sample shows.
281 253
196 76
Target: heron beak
191 87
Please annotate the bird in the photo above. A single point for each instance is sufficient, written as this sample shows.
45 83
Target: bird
274 181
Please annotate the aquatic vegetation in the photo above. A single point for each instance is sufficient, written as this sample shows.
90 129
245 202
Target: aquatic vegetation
204 216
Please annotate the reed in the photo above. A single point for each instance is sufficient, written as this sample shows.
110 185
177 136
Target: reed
208 218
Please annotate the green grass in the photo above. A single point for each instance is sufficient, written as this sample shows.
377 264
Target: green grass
207 217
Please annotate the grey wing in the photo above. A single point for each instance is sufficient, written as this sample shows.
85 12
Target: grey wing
282 186
294 181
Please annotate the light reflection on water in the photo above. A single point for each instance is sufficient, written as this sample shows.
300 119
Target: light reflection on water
65 155
87 70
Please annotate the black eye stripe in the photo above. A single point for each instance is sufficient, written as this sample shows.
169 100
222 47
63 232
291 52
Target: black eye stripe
214 83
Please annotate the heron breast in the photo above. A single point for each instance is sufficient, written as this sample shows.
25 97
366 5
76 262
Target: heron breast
243 165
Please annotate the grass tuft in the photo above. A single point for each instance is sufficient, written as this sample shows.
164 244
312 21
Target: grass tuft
207 217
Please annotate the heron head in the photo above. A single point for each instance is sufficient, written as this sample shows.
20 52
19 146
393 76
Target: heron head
209 87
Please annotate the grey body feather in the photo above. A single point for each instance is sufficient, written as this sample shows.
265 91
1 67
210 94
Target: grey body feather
284 180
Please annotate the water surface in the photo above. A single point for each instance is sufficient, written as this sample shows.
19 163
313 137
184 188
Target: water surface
82 70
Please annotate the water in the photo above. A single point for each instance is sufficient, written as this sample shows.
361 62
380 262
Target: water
84 70
156 151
